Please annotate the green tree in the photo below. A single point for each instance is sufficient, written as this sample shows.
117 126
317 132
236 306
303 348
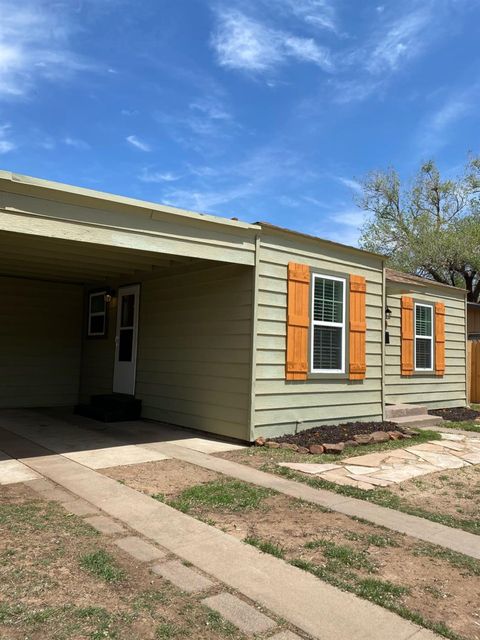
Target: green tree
430 227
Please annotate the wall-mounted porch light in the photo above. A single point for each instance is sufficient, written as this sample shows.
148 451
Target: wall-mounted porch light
108 296
388 315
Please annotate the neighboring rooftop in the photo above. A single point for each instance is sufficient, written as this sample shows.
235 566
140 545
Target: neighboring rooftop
406 278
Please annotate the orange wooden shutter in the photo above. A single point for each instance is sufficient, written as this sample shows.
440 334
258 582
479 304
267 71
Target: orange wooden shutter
407 336
298 321
358 328
439 338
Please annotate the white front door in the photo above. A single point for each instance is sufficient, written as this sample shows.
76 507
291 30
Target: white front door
126 340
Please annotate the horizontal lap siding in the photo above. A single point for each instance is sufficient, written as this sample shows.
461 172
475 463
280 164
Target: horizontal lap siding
40 338
194 349
280 404
429 390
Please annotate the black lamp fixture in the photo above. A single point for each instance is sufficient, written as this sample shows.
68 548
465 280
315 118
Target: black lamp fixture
388 314
109 294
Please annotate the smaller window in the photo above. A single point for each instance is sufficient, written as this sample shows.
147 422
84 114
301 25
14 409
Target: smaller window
423 337
328 325
97 314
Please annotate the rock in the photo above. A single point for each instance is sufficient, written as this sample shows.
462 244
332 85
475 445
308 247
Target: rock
272 445
316 449
379 436
333 448
260 442
362 438
303 450
395 435
287 445
351 443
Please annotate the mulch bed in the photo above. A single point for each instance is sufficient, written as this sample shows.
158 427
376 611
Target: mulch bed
334 433
458 414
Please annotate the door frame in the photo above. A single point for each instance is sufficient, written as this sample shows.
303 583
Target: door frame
125 290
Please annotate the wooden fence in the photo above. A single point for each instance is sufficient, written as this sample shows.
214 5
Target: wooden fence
473 360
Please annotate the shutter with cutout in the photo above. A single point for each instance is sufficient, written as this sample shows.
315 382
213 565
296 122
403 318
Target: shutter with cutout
407 328
298 320
357 328
439 338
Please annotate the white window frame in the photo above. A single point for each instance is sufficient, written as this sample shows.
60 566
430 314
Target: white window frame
428 306
96 334
321 323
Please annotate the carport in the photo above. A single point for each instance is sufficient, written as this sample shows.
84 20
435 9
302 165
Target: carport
102 293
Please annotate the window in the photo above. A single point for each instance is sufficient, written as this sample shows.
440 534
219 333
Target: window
97 314
328 325
423 337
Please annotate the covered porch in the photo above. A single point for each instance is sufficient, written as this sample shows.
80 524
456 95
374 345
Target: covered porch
102 294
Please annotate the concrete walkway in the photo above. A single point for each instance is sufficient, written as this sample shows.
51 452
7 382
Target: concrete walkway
311 605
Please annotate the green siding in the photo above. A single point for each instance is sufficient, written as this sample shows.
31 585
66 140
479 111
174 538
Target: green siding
279 405
428 389
40 337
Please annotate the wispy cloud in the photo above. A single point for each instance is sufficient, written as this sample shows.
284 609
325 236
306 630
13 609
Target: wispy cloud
247 44
6 143
158 176
34 45
137 143
76 143
351 184
317 13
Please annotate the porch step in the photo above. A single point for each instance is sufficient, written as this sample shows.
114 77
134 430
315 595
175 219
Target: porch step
113 407
418 421
394 411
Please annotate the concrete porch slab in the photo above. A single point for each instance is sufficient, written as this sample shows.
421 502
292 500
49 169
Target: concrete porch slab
13 471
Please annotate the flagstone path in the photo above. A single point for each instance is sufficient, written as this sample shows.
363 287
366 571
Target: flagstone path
389 467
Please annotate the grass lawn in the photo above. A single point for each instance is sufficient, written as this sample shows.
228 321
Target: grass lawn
465 426
424 583
62 580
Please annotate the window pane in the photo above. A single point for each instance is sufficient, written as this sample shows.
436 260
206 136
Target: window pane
125 349
97 325
97 303
328 300
423 350
128 305
327 347
423 321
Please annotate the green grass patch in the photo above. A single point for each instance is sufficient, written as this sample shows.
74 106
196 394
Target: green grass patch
231 495
343 554
217 623
460 561
380 591
167 630
102 565
372 539
464 426
266 546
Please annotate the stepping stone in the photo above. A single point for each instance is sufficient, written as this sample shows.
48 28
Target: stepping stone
454 446
473 457
306 467
139 549
105 525
285 635
239 613
182 577
400 475
369 459
359 470
401 454
50 491
454 437
80 507
340 478
371 481
442 460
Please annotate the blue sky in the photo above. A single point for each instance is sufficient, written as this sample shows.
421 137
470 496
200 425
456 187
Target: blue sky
259 109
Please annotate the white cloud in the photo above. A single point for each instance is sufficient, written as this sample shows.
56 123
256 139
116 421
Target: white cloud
137 143
6 143
158 176
246 44
349 217
34 45
317 13
351 184
76 143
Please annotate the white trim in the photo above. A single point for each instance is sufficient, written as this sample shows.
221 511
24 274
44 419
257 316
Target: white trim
428 306
125 372
97 313
314 323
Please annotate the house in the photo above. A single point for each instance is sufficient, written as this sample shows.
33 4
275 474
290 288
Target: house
232 328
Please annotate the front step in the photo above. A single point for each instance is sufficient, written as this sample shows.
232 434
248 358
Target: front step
112 407
394 411
418 421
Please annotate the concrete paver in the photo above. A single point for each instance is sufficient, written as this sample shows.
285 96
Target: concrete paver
311 468
105 525
285 635
139 549
239 613
13 471
183 577
80 507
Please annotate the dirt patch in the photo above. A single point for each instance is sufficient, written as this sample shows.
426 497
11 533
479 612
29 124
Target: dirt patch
334 433
45 593
442 587
459 414
167 477
455 492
